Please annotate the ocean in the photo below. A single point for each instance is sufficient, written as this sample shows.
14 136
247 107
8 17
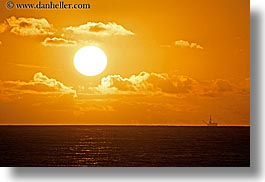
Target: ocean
125 146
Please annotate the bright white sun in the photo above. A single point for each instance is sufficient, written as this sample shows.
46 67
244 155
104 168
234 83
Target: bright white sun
90 61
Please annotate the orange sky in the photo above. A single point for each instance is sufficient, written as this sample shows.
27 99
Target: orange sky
169 62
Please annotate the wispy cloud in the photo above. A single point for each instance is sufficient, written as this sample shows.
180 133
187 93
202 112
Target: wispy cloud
184 43
27 66
54 41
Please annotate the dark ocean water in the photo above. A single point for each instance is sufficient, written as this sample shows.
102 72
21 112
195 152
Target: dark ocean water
124 146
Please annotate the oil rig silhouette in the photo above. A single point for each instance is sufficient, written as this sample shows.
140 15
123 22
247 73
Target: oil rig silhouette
210 122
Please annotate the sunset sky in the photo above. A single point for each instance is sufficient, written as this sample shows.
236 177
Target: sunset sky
169 63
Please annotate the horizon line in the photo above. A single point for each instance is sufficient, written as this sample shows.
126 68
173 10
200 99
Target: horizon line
163 125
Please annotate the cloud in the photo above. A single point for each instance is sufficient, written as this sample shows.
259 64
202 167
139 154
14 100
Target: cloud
135 83
99 29
146 83
52 83
58 42
223 85
244 86
40 84
184 43
29 26
162 84
144 98
218 87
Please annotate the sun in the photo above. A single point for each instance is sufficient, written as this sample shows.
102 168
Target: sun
90 61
